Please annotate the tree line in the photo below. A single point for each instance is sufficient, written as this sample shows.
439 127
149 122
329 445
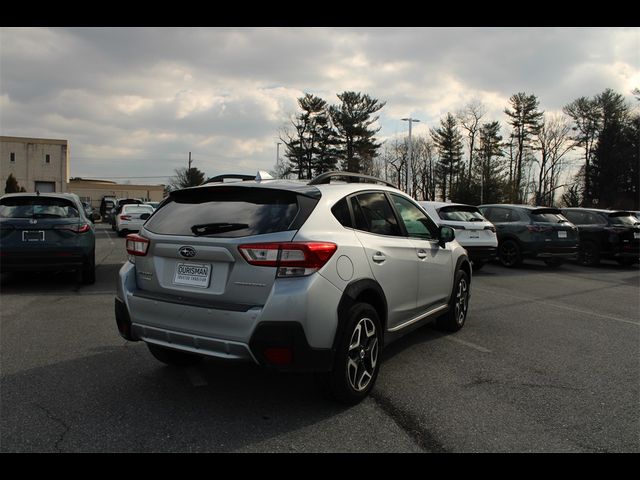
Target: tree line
468 158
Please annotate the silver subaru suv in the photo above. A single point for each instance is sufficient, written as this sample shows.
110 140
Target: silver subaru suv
314 277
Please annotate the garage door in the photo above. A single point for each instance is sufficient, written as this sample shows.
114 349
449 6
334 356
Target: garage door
45 187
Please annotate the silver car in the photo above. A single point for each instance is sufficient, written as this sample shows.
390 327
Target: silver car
296 276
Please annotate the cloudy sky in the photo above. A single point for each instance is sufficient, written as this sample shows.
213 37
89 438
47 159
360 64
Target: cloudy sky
134 101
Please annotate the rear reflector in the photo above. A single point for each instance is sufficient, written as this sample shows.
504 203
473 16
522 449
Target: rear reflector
278 355
137 245
293 259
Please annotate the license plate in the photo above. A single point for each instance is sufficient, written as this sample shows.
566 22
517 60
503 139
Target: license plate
193 275
33 236
562 234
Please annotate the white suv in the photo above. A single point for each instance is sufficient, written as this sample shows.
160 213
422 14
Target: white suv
314 276
473 231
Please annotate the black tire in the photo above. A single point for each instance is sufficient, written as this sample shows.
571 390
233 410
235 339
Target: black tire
88 270
589 254
357 360
455 318
509 254
172 357
627 262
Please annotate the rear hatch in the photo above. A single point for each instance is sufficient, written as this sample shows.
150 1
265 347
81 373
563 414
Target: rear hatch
193 255
39 224
627 227
471 227
550 226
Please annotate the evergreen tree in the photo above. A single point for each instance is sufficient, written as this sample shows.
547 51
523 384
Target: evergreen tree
353 120
186 177
11 185
490 169
449 144
525 121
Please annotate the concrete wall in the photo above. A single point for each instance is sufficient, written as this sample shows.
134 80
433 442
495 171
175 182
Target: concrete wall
34 160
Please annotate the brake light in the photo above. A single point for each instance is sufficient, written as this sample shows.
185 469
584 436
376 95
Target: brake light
125 217
81 228
137 245
492 228
293 259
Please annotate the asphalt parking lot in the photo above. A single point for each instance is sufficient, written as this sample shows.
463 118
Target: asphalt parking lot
547 362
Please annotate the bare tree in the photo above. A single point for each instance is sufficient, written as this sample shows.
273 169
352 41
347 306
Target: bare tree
554 141
469 118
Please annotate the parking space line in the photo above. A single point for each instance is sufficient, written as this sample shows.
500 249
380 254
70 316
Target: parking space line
467 344
562 307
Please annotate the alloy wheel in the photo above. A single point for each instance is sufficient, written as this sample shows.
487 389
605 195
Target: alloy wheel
363 354
462 301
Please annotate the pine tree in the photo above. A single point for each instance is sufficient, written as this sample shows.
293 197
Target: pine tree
525 120
11 185
449 144
353 120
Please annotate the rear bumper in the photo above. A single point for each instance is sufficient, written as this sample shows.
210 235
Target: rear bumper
244 334
481 254
40 261
552 251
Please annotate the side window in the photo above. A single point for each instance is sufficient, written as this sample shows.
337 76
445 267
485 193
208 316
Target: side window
501 215
595 219
577 218
418 225
341 211
374 214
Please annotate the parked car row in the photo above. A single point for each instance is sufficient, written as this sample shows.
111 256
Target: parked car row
514 233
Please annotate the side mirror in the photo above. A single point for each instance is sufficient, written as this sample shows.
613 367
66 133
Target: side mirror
445 235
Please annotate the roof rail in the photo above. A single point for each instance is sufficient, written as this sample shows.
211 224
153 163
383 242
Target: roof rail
349 177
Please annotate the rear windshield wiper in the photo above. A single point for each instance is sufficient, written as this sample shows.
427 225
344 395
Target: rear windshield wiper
222 227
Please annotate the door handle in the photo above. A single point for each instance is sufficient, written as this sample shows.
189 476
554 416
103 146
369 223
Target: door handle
422 254
379 257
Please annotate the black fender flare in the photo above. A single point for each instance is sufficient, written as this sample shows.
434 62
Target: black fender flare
373 294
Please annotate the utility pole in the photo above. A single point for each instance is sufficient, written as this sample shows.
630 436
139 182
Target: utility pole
278 159
189 162
409 166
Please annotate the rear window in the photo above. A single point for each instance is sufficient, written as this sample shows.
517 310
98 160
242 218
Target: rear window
137 209
547 216
226 212
623 219
461 214
37 207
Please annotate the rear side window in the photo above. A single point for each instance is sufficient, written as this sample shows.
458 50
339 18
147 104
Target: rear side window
341 211
227 212
374 214
37 207
502 215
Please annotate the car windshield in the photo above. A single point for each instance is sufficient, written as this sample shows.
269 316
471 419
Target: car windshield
37 207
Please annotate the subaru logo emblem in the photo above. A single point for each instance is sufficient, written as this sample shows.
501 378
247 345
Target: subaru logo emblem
187 252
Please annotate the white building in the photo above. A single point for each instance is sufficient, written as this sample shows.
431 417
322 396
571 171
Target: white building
38 164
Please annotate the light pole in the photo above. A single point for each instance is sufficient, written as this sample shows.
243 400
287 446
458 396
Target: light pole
409 172
278 158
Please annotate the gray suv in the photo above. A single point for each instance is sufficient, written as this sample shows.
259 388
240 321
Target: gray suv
313 277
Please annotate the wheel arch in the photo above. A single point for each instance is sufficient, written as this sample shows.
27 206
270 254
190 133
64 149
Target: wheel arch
367 291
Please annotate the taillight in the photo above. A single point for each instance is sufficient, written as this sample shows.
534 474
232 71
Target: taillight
77 228
137 245
125 217
293 259
492 228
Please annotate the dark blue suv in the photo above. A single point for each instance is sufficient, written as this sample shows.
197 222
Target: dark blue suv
532 232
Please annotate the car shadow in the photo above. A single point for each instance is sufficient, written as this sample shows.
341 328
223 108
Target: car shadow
120 399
